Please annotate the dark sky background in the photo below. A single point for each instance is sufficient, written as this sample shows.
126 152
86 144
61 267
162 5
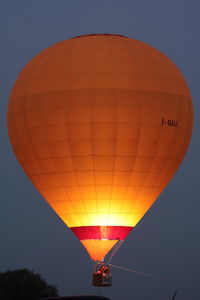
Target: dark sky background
166 242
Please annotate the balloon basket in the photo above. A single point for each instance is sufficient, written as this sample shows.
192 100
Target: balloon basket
102 276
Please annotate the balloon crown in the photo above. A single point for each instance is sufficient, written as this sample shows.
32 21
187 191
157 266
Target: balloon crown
97 34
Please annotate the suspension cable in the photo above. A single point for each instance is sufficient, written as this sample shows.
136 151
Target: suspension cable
115 250
92 262
134 271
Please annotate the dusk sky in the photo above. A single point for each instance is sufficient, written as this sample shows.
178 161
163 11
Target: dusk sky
166 242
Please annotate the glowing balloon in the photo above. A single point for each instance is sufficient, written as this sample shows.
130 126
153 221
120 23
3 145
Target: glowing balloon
100 124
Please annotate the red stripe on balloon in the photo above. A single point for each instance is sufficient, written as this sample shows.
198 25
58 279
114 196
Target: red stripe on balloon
101 232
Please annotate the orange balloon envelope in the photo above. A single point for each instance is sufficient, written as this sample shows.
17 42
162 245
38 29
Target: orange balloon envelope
100 124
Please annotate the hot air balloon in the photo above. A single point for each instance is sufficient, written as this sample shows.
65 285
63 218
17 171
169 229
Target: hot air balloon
100 124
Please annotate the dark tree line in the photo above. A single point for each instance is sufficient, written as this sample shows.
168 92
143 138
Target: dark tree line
24 285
